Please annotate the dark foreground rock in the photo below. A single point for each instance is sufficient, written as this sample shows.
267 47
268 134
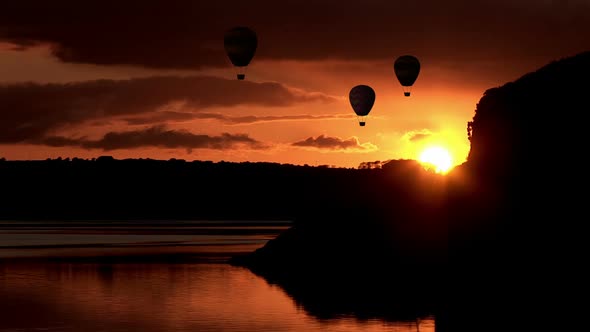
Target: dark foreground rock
346 260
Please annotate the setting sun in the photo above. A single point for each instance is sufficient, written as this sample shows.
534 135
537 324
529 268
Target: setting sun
436 158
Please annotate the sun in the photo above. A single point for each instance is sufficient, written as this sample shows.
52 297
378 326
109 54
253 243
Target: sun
436 158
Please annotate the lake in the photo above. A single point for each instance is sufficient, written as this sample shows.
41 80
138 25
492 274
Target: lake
150 276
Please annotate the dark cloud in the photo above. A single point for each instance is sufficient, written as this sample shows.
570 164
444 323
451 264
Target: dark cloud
159 117
30 110
188 34
157 136
335 143
171 116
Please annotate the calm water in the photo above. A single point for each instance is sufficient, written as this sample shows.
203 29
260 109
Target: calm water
38 293
203 240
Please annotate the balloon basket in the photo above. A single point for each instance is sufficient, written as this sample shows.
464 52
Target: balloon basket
407 94
362 123
241 76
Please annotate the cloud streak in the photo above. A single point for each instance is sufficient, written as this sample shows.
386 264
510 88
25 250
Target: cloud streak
329 143
172 116
417 135
157 136
31 111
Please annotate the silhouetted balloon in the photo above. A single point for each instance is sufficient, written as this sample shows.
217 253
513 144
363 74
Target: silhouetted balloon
406 68
240 46
362 98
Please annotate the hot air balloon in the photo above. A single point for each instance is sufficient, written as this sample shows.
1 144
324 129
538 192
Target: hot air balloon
406 68
362 98
240 46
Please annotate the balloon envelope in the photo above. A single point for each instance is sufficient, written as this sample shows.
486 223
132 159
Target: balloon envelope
406 68
240 45
362 98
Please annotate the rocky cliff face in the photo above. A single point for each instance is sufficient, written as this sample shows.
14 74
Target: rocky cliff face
515 211
534 124
523 181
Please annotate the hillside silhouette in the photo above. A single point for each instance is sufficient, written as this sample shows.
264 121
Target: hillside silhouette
107 188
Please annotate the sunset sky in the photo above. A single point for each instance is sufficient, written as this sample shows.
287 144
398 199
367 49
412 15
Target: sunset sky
151 79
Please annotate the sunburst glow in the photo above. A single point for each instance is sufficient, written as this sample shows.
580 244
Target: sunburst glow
436 158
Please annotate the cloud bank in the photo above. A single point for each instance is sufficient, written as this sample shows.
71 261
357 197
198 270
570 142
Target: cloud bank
157 136
31 111
189 34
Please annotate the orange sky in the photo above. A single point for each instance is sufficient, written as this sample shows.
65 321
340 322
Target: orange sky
155 82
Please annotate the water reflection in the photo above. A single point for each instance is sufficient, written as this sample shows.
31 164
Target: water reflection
159 297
